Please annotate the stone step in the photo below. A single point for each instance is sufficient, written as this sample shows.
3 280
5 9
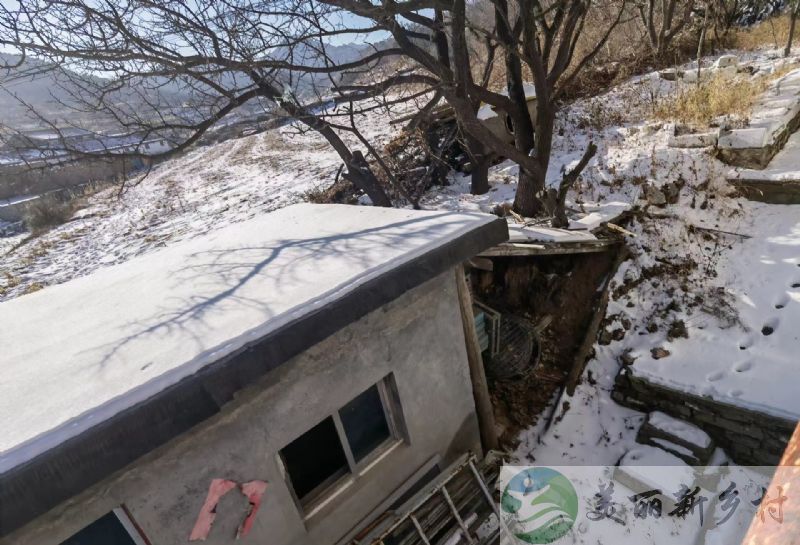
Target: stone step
679 438
764 189
645 468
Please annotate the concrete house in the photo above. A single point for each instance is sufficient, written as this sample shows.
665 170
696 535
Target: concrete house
500 123
285 380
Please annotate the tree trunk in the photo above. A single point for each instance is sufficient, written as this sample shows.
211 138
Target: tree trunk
701 40
480 166
360 175
788 50
528 200
359 172
560 218
480 175
531 191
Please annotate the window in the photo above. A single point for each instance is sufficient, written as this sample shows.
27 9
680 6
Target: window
315 458
365 424
113 528
342 443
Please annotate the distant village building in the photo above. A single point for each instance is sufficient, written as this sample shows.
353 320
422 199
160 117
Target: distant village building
288 380
54 139
69 143
40 161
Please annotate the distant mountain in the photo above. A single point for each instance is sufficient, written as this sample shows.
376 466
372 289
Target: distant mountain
49 91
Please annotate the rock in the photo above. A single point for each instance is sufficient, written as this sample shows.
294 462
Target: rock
682 439
626 358
671 74
698 140
650 129
727 61
659 353
672 192
655 196
677 329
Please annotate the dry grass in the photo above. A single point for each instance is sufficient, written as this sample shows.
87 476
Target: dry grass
698 105
770 33
48 212
32 288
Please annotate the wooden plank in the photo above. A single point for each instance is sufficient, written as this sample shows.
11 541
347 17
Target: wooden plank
480 388
594 325
521 249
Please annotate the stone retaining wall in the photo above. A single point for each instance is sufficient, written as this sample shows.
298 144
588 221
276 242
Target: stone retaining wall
759 157
769 191
749 437
773 120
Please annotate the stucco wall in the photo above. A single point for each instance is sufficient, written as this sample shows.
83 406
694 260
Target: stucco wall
418 338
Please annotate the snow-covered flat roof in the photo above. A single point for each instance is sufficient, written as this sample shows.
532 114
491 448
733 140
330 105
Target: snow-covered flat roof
76 354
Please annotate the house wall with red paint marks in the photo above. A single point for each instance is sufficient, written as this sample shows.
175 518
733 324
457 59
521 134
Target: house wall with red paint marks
417 340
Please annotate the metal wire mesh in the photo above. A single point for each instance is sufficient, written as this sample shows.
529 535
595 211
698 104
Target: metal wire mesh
519 349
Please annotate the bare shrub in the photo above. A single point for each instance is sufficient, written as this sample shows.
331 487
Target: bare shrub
48 212
340 192
600 115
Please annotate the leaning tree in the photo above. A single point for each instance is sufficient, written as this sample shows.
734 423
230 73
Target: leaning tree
544 41
176 69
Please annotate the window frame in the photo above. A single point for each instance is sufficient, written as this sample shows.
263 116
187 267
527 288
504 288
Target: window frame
130 525
125 520
313 501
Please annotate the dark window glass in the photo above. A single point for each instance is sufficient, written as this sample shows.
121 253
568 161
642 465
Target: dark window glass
365 423
107 530
314 458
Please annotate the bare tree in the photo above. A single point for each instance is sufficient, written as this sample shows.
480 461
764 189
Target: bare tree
663 20
127 61
794 9
533 37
